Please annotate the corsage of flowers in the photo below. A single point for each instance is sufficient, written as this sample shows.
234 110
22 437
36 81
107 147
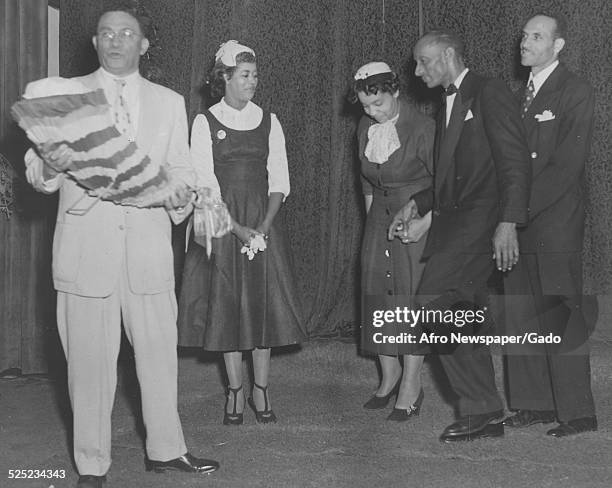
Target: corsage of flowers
256 243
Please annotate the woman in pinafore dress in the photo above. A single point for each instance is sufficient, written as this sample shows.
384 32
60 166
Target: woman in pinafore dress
396 153
238 300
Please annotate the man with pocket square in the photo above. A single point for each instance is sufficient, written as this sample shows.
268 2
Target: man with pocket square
544 291
479 197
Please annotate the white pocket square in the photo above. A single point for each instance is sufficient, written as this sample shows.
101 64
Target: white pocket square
468 116
544 116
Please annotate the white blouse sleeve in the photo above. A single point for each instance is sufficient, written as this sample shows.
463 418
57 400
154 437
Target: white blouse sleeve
202 155
278 168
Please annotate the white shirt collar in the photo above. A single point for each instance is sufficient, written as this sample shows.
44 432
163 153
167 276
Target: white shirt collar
245 110
450 100
129 79
542 76
459 79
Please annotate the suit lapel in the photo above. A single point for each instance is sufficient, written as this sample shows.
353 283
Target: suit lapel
450 136
538 105
147 117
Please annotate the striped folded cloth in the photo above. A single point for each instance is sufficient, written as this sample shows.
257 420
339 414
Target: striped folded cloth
63 111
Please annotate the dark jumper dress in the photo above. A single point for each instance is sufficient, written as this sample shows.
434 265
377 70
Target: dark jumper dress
227 302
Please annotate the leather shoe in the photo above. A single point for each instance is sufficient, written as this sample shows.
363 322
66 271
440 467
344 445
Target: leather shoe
490 430
525 418
186 462
378 402
91 481
473 426
573 427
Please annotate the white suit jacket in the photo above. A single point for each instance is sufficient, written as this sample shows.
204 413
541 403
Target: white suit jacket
90 251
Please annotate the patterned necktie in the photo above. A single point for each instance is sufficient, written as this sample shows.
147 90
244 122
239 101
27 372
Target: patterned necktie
528 98
120 108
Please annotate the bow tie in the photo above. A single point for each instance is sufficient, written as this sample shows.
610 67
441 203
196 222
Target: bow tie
451 90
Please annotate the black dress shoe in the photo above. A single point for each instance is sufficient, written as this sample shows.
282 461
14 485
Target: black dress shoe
378 402
525 418
186 462
573 427
472 427
403 414
490 430
91 481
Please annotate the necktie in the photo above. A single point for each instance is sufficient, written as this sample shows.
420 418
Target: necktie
122 114
528 97
451 90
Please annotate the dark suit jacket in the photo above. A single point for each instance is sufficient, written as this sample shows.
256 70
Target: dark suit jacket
482 170
559 124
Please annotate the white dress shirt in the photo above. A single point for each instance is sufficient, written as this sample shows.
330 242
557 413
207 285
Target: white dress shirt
131 94
450 100
248 118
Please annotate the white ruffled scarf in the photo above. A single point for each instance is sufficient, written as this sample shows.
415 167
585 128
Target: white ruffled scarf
382 141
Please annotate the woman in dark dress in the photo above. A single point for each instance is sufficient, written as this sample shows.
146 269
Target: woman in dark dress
239 300
396 153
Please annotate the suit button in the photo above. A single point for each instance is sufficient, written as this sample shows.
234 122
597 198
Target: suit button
121 227
388 274
387 252
436 212
534 155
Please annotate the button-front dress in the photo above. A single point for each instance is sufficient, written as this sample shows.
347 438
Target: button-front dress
390 270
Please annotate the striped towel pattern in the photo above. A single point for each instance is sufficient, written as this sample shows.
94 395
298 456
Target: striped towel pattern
104 161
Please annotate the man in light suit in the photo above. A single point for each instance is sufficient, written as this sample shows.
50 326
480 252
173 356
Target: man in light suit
544 292
115 264
480 195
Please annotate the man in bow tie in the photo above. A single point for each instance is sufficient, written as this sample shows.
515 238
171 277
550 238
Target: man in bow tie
479 196
544 292
114 264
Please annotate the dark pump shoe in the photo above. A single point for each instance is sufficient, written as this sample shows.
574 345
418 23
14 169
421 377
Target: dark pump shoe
91 481
403 414
573 427
186 462
378 402
525 418
473 427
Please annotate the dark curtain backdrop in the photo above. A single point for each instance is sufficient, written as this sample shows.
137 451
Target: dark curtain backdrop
307 51
27 299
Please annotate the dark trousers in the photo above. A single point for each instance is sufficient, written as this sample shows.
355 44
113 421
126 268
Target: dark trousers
459 282
547 376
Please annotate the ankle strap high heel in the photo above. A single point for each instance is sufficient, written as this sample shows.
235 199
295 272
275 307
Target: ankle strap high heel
266 415
233 418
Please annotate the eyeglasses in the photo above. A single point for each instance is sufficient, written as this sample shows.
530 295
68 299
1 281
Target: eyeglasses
124 35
